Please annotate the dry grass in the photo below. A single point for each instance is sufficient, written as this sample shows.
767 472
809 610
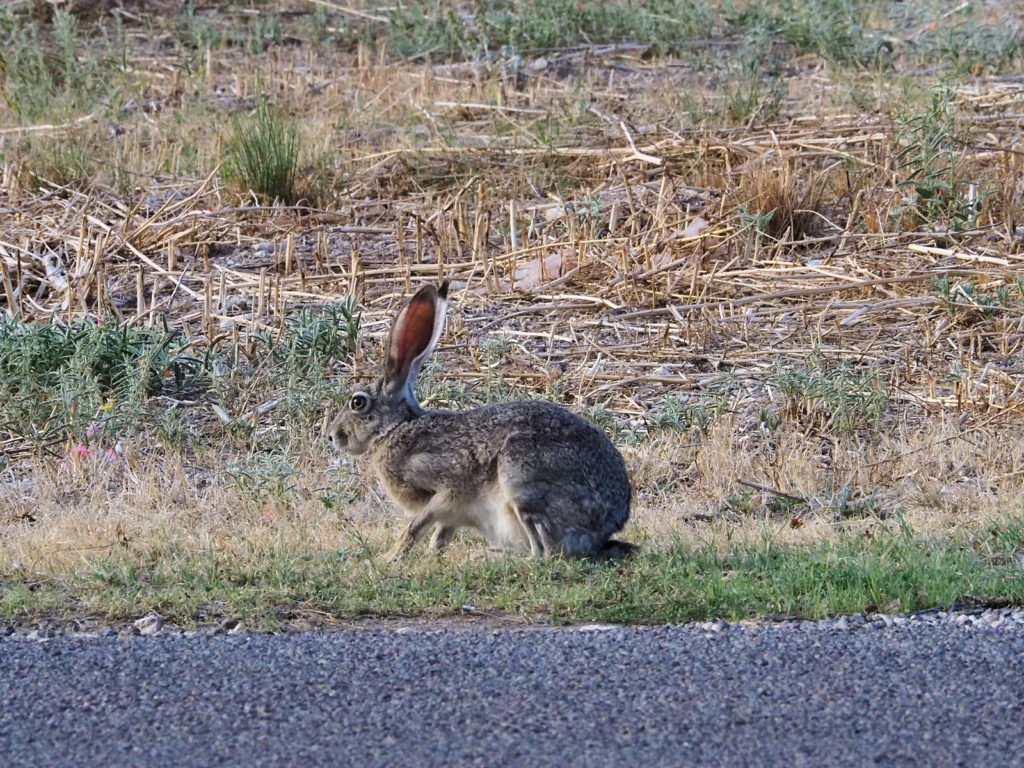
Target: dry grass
608 234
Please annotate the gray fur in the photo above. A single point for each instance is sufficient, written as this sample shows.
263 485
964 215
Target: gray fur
529 476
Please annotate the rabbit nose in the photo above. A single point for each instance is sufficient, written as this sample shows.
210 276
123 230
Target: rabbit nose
338 437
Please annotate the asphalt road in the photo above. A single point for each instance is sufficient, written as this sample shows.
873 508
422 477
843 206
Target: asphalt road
731 695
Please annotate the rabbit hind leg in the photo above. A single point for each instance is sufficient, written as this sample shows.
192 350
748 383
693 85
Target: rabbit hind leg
542 543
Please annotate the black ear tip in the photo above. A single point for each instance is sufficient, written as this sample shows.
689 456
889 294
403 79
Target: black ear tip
442 290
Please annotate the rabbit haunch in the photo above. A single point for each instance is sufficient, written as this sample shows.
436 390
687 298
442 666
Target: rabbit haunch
529 476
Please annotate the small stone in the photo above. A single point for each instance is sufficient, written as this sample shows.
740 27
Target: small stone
231 625
149 624
596 627
842 624
108 632
961 619
7 631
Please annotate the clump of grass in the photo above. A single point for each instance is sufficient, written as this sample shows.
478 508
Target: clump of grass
62 163
262 155
751 93
58 379
781 199
968 47
834 29
265 476
298 363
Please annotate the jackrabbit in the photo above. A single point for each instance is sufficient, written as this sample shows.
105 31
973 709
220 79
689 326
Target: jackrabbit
529 476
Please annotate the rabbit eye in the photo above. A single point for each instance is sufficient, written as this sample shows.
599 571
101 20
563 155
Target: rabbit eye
359 403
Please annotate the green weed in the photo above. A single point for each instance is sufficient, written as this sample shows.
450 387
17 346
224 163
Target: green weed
832 396
750 96
936 193
63 163
57 379
968 304
695 415
265 476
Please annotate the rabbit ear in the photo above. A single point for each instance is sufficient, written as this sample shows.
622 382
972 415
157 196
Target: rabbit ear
413 337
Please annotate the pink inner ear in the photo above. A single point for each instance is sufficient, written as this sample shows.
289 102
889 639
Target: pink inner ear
417 329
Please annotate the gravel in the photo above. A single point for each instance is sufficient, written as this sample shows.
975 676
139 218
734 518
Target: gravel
935 688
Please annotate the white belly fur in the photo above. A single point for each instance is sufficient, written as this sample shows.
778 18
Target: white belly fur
492 515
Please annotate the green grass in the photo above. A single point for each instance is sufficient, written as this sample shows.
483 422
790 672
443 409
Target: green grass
894 571
440 30
58 68
54 67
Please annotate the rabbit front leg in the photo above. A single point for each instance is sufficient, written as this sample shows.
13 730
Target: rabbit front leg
429 516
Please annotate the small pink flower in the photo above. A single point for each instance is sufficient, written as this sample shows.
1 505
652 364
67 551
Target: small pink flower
81 450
